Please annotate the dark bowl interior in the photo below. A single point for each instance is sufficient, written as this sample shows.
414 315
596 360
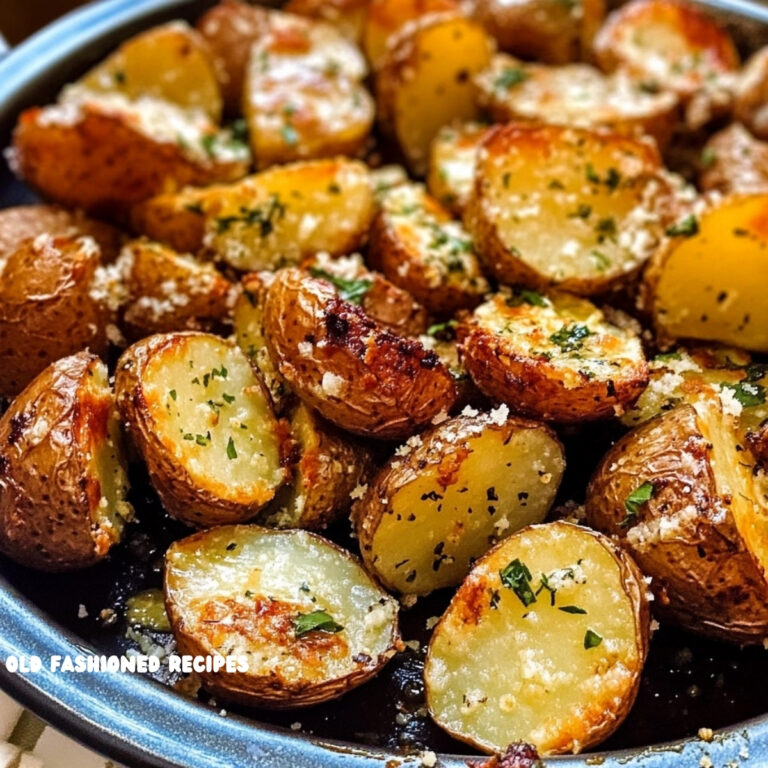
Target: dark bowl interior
688 682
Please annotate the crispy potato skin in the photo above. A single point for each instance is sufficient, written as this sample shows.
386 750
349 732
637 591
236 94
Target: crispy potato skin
704 578
47 494
47 307
102 164
348 16
736 162
751 95
359 376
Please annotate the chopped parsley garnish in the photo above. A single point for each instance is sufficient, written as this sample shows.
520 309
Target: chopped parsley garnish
605 228
612 177
747 392
517 577
316 621
642 494
571 609
209 144
239 130
196 208
525 296
582 212
571 337
592 639
334 188
289 135
265 217
444 331
687 227
509 78
172 394
602 261
203 439
708 157
119 77
663 357
349 290
231 450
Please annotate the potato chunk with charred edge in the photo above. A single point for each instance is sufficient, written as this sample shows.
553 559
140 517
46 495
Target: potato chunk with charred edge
203 424
449 495
308 619
554 357
567 612
63 482
734 161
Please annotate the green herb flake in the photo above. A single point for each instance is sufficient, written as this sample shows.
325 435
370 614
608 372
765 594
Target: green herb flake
708 157
517 577
509 78
571 609
289 135
571 337
642 494
228 398
748 393
349 290
582 212
172 394
663 357
208 143
195 208
601 260
203 440
687 227
316 621
592 639
231 450
444 331
525 296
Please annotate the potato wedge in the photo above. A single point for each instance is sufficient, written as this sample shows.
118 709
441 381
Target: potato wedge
168 291
104 153
579 209
329 466
54 301
359 376
751 94
679 494
576 95
693 292
348 16
734 161
426 82
204 426
171 62
567 612
309 621
452 162
63 482
450 494
554 357
417 246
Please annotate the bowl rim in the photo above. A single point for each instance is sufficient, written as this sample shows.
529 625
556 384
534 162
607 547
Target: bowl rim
140 722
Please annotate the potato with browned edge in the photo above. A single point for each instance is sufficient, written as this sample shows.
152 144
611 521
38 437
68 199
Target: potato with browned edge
348 16
308 620
63 481
733 160
360 376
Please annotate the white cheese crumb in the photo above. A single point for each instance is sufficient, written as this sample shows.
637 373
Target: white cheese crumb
499 415
358 491
428 759
731 406
82 612
440 417
222 713
470 411
296 726
432 622
332 384
705 762
706 734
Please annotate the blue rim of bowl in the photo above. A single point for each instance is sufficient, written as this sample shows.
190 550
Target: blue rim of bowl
141 723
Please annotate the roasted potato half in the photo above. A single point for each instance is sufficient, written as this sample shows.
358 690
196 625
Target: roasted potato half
734 161
329 466
750 105
55 299
552 357
168 291
171 62
308 620
425 82
579 209
679 494
693 292
567 612
348 16
576 95
63 482
204 425
358 375
450 494
417 246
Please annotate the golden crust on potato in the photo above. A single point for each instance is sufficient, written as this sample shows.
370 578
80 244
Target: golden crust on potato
579 209
734 161
449 494
348 16
203 424
358 375
417 246
566 611
554 357
62 476
310 630
751 94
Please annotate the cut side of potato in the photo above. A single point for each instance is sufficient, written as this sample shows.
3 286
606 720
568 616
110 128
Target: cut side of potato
561 206
204 426
361 377
307 619
567 612
348 16
426 82
450 494
576 95
679 492
554 357
171 62
329 466
417 246
63 482
734 161
694 292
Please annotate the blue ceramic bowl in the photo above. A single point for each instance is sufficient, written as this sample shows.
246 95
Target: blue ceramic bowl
139 722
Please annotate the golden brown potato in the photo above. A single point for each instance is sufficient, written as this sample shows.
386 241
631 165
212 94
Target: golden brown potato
230 29
310 629
171 62
693 292
750 105
168 291
54 300
348 16
417 246
104 153
554 357
734 161
359 376
576 95
425 82
579 209
453 492
63 482
679 494
567 613
204 425
328 467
